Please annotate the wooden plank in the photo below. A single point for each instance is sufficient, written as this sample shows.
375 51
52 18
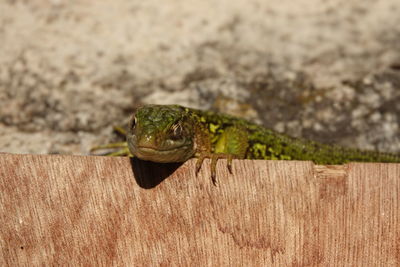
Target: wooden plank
80 210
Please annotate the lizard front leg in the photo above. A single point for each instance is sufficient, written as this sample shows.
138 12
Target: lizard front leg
232 143
214 158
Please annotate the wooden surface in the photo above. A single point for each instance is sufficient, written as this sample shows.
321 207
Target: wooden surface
57 210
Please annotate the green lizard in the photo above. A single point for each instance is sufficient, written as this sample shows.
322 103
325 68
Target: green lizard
173 133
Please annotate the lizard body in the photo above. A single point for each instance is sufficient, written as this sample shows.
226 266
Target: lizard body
172 133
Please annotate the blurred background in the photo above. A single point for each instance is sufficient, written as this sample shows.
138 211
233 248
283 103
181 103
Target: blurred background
324 70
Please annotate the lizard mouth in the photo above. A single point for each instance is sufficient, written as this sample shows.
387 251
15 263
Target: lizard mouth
178 152
175 154
157 150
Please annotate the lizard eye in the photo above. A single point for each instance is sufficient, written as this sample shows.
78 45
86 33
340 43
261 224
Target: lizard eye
176 131
132 123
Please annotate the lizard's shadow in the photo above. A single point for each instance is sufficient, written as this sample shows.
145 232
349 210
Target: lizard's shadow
150 174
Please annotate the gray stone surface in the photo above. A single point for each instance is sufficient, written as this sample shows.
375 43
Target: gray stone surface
327 70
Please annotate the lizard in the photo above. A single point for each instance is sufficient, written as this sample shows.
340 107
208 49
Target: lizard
173 133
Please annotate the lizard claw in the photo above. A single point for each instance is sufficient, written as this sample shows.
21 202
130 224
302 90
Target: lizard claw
214 179
229 164
229 168
199 162
214 159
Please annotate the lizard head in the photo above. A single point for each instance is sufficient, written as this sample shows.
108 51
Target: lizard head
161 134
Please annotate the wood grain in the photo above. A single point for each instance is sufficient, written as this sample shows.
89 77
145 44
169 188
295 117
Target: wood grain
80 210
